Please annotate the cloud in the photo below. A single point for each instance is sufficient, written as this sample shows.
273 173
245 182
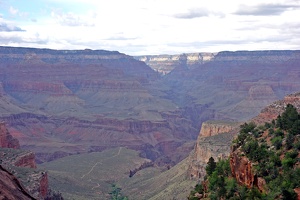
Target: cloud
121 38
197 13
71 19
264 9
13 11
9 28
22 40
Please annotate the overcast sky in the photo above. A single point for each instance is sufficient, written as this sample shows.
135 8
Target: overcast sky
145 27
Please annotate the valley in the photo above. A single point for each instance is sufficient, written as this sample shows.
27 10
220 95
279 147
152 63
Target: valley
91 116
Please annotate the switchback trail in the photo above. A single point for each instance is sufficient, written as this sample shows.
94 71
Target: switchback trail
100 162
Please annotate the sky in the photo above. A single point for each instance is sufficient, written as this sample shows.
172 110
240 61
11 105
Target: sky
151 27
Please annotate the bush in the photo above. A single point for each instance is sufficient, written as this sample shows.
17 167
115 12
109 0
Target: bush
277 142
288 163
247 128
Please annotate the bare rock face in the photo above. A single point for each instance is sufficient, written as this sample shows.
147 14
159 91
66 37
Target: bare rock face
241 169
297 190
26 160
21 168
11 188
6 139
211 128
213 141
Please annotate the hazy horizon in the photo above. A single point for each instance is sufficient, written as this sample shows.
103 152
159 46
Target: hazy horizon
144 27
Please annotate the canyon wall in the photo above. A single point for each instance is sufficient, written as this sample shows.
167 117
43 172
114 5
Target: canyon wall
59 103
20 176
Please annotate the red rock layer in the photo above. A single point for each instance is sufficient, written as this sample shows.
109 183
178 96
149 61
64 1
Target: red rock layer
26 160
6 139
11 188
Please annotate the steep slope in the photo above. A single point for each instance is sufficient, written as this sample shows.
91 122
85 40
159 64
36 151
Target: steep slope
19 174
264 158
214 141
217 143
11 187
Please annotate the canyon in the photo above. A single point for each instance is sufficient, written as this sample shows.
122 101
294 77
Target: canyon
59 103
64 102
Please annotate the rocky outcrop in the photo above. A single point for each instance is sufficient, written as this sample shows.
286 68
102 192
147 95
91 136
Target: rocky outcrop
297 190
39 184
272 111
241 169
213 141
6 139
11 188
25 160
211 128
21 166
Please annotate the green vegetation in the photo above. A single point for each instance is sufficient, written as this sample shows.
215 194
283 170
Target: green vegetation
274 151
115 193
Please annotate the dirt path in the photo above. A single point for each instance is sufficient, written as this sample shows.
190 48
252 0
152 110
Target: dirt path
101 163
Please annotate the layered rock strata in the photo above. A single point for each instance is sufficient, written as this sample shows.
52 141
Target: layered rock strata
18 168
213 141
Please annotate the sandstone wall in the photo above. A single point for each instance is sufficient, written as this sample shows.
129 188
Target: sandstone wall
213 141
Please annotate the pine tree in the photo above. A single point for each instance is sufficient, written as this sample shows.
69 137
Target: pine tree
211 166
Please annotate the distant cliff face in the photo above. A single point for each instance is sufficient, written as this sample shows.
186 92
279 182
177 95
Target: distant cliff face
164 64
237 84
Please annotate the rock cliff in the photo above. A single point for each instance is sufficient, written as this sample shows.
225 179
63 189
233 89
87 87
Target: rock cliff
213 141
241 167
11 188
211 128
18 168
164 64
